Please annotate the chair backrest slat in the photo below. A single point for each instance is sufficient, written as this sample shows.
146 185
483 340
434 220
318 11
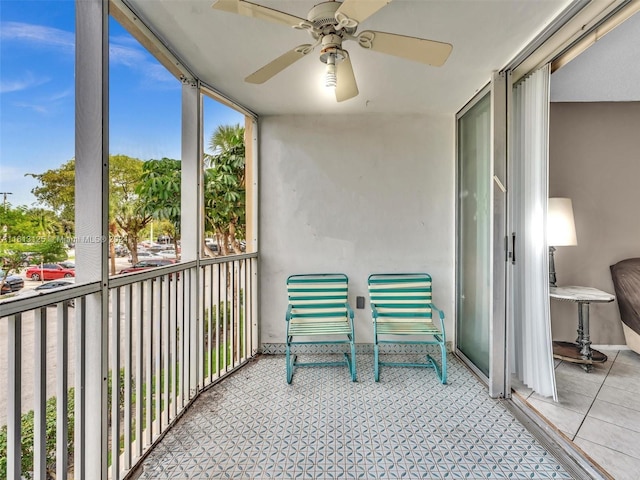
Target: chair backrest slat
318 296
401 296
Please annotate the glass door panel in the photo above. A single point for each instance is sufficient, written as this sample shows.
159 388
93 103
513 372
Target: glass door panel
474 283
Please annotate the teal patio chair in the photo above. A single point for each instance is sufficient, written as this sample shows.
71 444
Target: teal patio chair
318 307
401 306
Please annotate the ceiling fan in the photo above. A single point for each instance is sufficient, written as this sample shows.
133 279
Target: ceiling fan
329 24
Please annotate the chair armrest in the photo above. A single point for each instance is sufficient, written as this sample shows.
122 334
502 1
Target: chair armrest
440 312
374 311
440 316
349 310
288 313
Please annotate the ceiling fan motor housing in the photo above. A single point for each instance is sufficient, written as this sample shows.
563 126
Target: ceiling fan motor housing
324 15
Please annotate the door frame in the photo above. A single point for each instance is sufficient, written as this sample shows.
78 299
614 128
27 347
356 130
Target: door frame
499 91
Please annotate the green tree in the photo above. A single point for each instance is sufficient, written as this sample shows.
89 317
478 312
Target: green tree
127 208
57 189
37 231
159 191
126 214
19 222
224 187
46 223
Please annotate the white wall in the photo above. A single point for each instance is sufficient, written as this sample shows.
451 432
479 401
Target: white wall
357 195
594 160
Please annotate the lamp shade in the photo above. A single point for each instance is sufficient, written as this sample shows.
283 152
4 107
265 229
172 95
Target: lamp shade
561 229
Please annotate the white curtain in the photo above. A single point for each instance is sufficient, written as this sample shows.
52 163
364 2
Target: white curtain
532 349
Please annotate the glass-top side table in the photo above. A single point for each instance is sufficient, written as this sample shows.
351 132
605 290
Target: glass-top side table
581 351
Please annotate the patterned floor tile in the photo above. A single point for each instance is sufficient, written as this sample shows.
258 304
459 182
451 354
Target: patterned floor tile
254 425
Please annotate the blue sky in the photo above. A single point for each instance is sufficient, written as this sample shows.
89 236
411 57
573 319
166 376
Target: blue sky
37 96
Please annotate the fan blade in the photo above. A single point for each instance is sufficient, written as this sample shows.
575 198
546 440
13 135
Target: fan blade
412 48
346 86
279 64
360 10
249 9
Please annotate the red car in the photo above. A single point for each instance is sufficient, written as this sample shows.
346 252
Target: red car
49 271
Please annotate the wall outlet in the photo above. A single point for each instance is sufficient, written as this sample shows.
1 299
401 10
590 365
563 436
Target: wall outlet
359 302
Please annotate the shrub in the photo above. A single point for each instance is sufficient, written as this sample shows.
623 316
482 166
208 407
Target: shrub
27 440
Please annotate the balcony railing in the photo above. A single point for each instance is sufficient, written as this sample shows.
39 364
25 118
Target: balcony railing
171 332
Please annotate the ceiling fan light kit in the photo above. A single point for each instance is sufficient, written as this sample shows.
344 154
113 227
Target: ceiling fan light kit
329 24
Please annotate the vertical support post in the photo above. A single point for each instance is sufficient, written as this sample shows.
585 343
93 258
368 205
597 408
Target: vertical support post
191 204
92 217
192 220
251 182
252 171
255 333
498 377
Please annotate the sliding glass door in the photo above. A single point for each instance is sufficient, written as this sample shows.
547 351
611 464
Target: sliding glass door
474 233
481 266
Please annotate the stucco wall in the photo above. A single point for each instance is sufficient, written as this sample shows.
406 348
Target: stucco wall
595 160
354 194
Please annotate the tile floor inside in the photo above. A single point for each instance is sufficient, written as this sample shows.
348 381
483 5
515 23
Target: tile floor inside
599 411
253 425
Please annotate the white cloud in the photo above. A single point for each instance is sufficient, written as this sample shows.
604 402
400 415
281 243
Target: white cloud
27 81
125 55
38 34
127 52
36 107
45 104
123 50
54 97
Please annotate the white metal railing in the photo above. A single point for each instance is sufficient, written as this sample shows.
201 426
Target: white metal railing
172 331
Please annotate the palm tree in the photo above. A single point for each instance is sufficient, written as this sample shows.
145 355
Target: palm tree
225 139
224 187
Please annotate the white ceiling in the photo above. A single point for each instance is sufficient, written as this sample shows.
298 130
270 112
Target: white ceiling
608 71
223 48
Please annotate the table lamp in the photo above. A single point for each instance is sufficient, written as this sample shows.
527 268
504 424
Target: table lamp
561 230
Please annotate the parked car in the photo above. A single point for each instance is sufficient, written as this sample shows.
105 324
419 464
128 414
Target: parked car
168 254
28 258
49 271
211 244
147 264
146 256
67 264
12 283
51 286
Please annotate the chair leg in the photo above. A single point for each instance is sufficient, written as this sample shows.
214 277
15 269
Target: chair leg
354 375
376 362
443 349
289 364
